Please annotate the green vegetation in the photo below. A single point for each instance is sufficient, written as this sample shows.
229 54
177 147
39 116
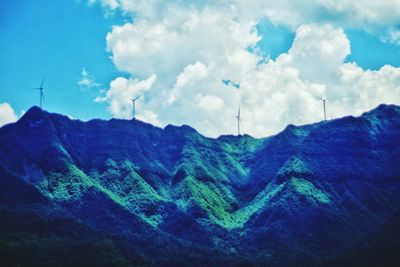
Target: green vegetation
375 125
293 165
244 144
262 199
307 189
125 186
121 183
217 208
300 132
67 185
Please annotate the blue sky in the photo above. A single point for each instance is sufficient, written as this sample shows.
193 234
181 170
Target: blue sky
55 39
61 38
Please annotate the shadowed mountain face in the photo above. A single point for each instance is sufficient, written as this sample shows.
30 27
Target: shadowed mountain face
120 193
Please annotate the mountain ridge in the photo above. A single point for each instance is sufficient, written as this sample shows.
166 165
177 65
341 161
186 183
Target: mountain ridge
308 194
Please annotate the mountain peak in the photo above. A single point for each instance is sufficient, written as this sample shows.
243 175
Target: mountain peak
34 110
33 114
388 110
182 128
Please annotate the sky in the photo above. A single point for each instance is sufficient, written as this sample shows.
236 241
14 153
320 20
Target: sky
193 62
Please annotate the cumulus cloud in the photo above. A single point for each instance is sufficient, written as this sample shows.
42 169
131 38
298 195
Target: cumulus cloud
192 74
209 103
314 66
317 52
7 114
364 14
182 38
86 80
121 90
342 13
194 49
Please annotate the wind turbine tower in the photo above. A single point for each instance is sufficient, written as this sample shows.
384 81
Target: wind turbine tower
238 120
133 106
41 94
324 105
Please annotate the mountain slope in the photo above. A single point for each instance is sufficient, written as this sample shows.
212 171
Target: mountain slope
310 194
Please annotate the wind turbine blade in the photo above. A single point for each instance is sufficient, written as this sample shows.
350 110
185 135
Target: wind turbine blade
41 85
136 98
316 96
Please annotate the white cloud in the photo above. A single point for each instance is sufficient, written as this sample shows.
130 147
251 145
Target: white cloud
194 48
186 50
86 80
7 114
391 36
149 116
317 52
183 37
365 14
342 13
121 89
286 89
112 4
193 73
209 103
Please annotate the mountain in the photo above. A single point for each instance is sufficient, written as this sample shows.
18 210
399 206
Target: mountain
126 193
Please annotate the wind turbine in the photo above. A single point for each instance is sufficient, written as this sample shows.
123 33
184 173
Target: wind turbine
323 103
41 94
133 105
238 120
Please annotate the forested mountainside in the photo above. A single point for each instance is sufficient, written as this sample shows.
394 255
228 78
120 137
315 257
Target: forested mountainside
126 193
